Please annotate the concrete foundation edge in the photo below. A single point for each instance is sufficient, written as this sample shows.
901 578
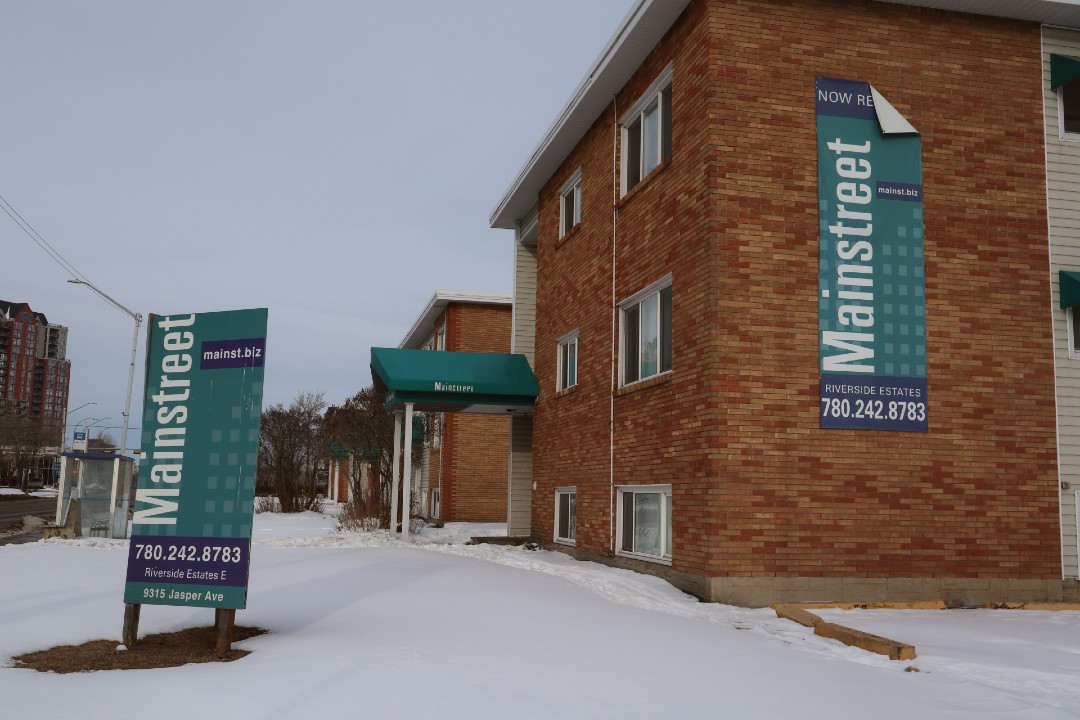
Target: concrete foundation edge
767 591
955 592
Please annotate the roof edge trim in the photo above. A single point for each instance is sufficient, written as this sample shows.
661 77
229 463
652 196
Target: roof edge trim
597 72
440 299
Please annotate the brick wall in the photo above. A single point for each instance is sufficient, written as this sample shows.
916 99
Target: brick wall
476 327
759 490
473 457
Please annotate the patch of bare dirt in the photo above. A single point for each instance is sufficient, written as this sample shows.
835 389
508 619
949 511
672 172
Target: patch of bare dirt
194 645
29 523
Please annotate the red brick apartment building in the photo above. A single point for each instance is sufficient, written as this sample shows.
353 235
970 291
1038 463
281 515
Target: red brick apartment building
462 477
34 371
670 292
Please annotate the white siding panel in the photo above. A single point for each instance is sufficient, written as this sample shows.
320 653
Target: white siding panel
519 522
519 502
1063 216
524 333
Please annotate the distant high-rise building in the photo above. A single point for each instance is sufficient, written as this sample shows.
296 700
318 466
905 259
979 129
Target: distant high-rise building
34 369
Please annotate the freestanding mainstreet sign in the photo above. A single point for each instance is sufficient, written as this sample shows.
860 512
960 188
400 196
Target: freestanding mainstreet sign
194 503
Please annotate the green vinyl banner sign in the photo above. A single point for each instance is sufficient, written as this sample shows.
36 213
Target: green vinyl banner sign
194 503
871 303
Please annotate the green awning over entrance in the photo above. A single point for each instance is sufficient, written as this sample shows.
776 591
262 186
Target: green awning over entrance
437 381
1069 288
1063 69
337 450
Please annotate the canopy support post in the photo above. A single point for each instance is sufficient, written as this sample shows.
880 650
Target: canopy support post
406 475
395 473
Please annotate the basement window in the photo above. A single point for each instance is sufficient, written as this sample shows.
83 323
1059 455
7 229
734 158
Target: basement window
566 516
644 522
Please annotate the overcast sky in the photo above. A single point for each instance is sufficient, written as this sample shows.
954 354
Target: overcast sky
334 161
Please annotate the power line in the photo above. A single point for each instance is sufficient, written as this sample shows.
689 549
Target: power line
38 239
105 427
54 254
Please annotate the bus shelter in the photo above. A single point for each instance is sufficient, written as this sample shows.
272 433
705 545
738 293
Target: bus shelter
97 486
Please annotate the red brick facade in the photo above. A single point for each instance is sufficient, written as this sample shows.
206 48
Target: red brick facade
35 375
470 466
759 490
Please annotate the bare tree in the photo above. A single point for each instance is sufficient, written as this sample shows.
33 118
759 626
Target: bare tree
103 441
23 445
364 428
291 449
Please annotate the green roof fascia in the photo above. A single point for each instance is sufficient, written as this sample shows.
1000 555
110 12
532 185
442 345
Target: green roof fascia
1069 288
337 451
446 399
1063 70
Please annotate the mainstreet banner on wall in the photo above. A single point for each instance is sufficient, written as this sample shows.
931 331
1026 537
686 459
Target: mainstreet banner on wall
871 304
194 503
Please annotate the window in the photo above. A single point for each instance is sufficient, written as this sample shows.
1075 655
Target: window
1069 109
1073 322
570 204
646 132
645 521
646 332
436 503
567 372
440 339
566 516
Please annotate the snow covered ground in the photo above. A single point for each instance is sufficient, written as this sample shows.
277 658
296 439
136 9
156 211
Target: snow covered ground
362 625
42 493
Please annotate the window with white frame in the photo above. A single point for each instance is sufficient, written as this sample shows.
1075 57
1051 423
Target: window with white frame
570 204
645 347
644 522
646 132
440 339
1069 110
568 354
1072 321
566 515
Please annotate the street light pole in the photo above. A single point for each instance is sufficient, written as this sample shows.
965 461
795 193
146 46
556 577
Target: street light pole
63 440
138 318
81 407
131 378
93 422
88 423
